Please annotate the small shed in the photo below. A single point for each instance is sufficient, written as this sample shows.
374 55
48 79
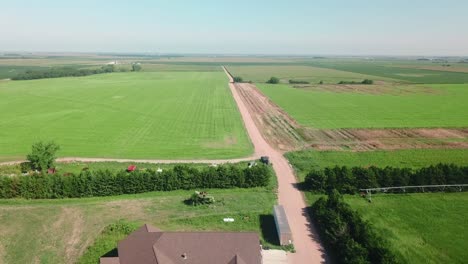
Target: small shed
131 168
282 225
51 171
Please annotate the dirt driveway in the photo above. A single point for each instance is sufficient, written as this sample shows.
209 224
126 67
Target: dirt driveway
306 240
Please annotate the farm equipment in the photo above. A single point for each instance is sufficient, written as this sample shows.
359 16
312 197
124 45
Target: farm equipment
265 160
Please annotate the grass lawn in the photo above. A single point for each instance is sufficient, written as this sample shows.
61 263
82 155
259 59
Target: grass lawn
305 161
162 115
424 228
58 231
440 106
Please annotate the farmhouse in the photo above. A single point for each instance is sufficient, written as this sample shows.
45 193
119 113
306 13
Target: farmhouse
149 245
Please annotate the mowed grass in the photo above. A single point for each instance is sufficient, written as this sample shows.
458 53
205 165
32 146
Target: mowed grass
260 74
440 106
59 231
162 115
424 228
305 161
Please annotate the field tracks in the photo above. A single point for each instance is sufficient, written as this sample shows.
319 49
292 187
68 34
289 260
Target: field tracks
284 133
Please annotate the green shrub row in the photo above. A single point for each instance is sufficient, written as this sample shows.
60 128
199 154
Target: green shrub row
350 180
298 82
62 72
107 183
365 81
347 236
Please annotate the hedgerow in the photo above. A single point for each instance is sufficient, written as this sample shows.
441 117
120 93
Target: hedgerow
350 180
107 183
347 236
62 72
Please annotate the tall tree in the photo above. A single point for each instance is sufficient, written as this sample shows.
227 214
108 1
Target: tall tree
42 156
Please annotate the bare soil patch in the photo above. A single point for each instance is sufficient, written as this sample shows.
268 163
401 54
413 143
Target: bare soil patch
225 143
278 128
70 221
128 208
386 139
376 89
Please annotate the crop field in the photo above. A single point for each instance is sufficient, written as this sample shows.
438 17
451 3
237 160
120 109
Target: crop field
408 74
423 228
261 74
58 231
428 106
305 161
162 115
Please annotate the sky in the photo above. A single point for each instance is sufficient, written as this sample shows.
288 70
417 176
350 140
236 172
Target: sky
276 27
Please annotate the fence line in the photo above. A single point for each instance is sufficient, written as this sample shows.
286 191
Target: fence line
385 189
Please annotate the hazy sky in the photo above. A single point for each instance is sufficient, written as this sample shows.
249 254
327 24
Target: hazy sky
347 27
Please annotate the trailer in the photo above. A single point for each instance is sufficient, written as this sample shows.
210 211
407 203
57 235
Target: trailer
282 225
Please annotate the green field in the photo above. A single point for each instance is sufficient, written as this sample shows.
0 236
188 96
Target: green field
261 73
439 106
424 228
394 70
305 161
58 231
162 115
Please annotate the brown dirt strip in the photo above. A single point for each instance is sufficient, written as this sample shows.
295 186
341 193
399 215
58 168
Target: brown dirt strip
376 89
278 128
386 139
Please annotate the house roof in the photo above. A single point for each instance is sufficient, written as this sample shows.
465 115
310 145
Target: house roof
149 245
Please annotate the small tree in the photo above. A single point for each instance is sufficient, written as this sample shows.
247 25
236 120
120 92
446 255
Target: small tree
199 198
321 82
367 81
42 156
238 79
273 80
136 67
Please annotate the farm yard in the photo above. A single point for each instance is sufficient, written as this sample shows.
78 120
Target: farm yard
77 222
195 133
128 115
181 108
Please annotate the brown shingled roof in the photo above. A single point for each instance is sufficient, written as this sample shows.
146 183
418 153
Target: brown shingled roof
149 245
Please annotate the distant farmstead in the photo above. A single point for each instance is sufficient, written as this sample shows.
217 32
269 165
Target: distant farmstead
149 245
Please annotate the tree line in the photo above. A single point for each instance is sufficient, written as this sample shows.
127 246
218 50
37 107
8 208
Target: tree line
347 236
366 81
350 180
71 72
107 183
298 82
